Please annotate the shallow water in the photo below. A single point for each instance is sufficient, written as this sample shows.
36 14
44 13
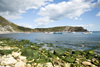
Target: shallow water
67 40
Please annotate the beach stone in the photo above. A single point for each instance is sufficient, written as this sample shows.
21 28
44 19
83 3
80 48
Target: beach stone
93 65
1 42
86 63
22 58
8 61
49 64
40 65
20 64
28 65
66 65
16 54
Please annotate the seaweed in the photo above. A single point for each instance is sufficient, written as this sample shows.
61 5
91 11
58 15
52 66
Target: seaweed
69 59
6 52
51 55
58 52
31 54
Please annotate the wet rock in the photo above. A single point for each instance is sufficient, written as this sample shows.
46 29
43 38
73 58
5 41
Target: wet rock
86 63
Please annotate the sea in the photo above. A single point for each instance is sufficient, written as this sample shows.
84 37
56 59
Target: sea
74 41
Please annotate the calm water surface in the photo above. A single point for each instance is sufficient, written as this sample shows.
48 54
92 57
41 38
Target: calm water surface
67 40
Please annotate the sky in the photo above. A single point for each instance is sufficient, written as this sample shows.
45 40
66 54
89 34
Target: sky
52 13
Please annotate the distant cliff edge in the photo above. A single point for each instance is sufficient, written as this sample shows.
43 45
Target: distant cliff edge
60 29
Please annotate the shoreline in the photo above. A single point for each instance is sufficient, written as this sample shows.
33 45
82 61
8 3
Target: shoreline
15 53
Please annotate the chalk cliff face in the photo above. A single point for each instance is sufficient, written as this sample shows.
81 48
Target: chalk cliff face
7 26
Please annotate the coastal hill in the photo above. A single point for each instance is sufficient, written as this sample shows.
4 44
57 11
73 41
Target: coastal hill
7 26
60 29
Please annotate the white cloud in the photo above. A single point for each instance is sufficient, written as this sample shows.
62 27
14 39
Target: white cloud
24 25
96 4
98 14
80 18
75 18
14 8
42 21
89 25
70 9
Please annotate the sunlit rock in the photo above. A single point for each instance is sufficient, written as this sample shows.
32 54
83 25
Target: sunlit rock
16 54
48 65
22 58
1 42
20 64
93 65
28 65
40 65
86 63
66 65
8 60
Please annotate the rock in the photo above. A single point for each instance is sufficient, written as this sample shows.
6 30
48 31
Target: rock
1 42
48 65
9 60
93 65
86 63
66 65
16 54
22 58
40 65
56 66
20 64
28 65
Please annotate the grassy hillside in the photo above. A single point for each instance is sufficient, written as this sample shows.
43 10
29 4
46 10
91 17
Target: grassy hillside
53 29
9 26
